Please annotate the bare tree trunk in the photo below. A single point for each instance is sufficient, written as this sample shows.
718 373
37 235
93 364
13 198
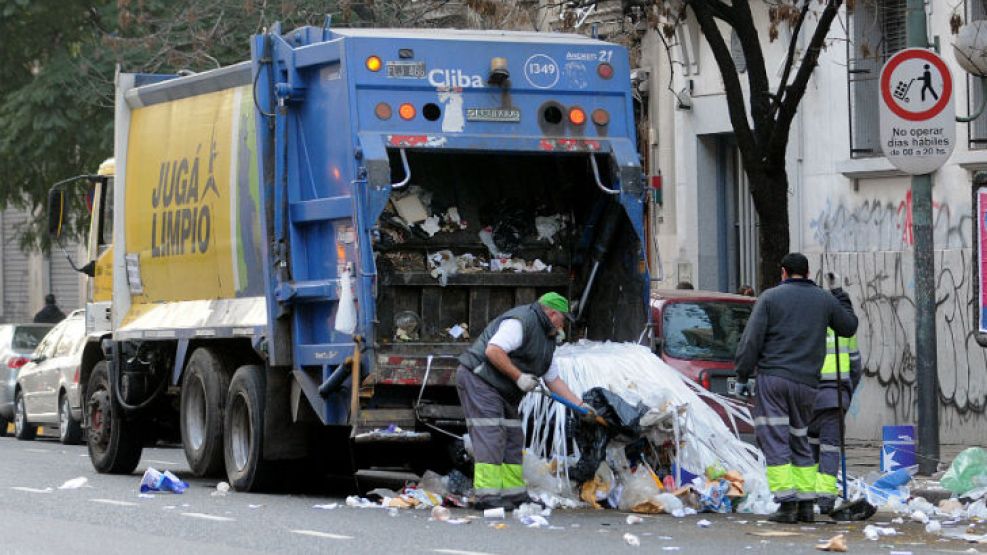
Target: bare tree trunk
769 189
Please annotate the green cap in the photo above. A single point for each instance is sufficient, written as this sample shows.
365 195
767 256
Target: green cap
556 302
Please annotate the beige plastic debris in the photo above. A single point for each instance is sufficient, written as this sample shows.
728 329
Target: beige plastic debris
773 534
836 543
441 514
398 503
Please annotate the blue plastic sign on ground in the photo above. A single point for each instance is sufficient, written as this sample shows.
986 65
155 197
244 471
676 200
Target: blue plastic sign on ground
918 117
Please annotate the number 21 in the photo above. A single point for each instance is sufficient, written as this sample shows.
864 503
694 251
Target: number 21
606 55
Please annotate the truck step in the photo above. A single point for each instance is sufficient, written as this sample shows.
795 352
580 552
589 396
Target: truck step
322 209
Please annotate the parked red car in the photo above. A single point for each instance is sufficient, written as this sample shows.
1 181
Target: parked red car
697 333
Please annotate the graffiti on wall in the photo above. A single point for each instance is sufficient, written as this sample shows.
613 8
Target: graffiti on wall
869 246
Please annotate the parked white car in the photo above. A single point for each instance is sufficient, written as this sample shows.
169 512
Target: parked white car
17 342
47 389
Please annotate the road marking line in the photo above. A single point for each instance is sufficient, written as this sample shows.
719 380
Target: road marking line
114 502
459 552
204 516
32 490
317 534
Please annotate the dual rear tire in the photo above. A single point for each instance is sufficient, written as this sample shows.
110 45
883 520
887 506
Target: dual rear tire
222 419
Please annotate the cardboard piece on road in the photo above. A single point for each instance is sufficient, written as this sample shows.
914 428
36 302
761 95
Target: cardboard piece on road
917 112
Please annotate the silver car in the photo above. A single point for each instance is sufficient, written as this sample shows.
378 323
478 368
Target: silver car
47 389
17 343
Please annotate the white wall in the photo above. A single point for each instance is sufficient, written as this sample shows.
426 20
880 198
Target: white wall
853 217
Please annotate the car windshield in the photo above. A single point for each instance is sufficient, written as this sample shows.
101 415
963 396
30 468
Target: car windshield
704 330
26 338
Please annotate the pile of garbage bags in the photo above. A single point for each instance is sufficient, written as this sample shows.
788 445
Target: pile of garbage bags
664 449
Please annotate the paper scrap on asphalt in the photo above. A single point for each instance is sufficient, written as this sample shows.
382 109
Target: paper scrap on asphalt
773 534
75 483
327 506
631 539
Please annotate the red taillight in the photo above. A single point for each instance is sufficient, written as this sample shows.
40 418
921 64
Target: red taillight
75 377
601 117
705 381
16 362
605 70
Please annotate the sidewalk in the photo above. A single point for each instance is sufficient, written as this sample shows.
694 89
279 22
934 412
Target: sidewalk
863 457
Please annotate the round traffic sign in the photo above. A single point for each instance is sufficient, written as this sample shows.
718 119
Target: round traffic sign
916 85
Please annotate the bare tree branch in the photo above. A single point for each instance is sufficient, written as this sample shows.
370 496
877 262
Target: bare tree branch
731 81
789 58
757 75
794 93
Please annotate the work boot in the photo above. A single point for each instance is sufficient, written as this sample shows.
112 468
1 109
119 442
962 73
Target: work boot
806 511
786 513
493 502
826 505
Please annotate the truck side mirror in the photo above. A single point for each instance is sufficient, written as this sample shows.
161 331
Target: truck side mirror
56 212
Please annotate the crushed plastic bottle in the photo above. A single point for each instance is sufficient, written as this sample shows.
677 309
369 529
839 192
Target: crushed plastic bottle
161 481
632 540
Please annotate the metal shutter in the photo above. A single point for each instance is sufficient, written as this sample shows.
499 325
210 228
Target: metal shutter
878 31
65 283
16 286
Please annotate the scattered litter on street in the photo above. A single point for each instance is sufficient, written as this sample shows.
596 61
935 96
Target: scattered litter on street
328 506
835 544
441 514
75 483
222 489
634 519
252 506
873 532
161 481
494 513
498 525
671 548
360 502
704 523
631 539
534 521
146 496
933 527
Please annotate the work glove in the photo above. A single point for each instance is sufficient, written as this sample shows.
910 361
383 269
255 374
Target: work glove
589 417
527 383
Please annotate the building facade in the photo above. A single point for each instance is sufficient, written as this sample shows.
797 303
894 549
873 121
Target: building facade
849 208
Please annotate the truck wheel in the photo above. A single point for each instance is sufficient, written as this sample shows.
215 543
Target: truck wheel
114 443
69 431
243 450
23 430
204 390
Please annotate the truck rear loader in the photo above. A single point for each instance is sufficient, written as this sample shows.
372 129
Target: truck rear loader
292 251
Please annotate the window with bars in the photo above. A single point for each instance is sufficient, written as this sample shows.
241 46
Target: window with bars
976 129
877 31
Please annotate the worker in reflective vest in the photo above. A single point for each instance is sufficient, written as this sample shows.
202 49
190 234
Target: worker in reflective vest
824 430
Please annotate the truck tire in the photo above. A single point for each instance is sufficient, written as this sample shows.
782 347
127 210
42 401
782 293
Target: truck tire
3 426
114 443
243 449
23 430
69 431
204 388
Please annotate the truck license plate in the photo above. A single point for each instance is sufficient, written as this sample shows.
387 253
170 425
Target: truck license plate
406 70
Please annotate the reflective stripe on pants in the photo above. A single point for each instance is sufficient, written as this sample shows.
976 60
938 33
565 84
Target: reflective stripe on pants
782 411
496 434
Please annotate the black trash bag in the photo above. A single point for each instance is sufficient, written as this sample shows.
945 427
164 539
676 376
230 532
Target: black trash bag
623 420
511 224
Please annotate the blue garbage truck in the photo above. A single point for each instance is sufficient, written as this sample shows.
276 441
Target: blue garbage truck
291 252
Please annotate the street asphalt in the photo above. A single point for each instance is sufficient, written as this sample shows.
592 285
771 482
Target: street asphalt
108 516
